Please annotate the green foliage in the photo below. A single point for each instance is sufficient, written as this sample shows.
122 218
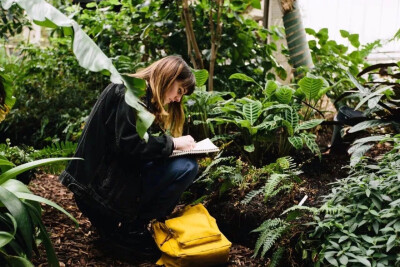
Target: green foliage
333 60
20 219
88 54
198 107
7 99
270 231
131 34
49 92
272 123
363 225
377 99
13 22
281 176
222 174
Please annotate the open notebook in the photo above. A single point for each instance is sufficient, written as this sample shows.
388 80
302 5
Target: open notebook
204 146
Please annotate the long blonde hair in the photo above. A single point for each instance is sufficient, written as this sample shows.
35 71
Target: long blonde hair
160 76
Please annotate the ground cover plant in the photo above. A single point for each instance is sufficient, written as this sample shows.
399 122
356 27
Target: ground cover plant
358 223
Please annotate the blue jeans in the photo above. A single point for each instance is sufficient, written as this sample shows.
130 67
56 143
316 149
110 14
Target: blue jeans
163 182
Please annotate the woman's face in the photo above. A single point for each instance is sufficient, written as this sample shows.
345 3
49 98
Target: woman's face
174 93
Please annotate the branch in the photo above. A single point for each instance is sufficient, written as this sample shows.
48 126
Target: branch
190 35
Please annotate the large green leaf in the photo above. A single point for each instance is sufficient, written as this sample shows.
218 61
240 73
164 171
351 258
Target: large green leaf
292 117
243 77
44 236
296 141
252 111
30 165
4 162
311 86
308 124
39 199
16 261
14 186
367 124
284 94
201 77
5 238
88 54
21 215
270 88
309 139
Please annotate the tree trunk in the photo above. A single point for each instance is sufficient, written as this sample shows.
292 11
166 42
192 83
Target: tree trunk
197 61
215 41
296 36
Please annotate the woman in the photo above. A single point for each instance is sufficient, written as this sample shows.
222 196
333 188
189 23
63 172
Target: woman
124 181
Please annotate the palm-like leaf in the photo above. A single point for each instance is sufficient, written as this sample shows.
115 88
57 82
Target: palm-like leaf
27 166
21 215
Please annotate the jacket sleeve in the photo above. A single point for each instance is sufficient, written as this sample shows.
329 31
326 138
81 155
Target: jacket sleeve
128 141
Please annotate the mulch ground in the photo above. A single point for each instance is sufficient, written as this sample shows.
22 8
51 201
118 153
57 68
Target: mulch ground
82 246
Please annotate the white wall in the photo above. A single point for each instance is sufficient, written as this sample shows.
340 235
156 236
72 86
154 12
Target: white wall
371 19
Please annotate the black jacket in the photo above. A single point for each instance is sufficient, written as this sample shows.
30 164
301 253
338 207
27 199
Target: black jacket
109 175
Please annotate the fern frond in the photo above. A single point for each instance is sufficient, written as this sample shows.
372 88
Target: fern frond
270 223
271 230
305 208
276 257
212 164
251 195
272 183
57 149
271 238
286 187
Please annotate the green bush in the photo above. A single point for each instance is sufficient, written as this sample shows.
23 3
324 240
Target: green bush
359 223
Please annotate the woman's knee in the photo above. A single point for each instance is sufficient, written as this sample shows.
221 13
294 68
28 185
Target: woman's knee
187 168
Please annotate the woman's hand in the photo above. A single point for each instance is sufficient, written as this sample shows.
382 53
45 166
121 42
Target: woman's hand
184 142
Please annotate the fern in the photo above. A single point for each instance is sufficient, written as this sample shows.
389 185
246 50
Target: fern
286 187
214 163
251 195
58 149
276 257
272 183
270 230
304 208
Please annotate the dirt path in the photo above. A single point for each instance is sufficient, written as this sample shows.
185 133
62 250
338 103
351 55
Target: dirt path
82 246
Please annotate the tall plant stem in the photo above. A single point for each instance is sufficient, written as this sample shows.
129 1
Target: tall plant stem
197 61
215 41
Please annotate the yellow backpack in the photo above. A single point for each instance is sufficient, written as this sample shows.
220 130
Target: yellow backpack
191 239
